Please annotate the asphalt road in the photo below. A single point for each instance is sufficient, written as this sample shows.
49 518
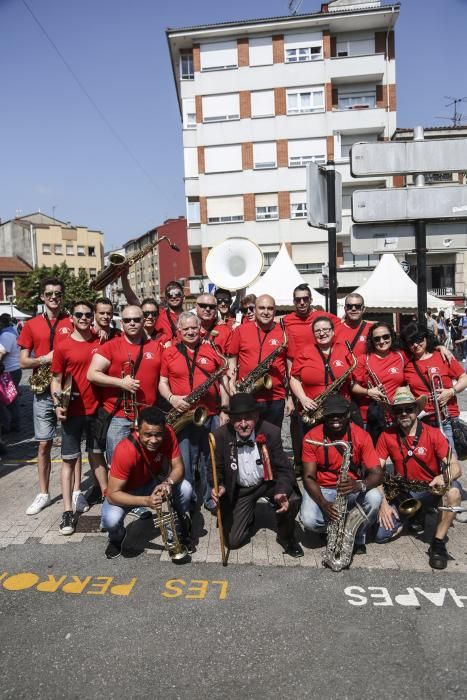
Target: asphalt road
77 625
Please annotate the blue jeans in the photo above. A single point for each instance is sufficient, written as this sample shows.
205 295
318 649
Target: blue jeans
272 411
119 429
194 447
113 516
313 518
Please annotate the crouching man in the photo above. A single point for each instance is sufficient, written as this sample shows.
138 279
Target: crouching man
145 466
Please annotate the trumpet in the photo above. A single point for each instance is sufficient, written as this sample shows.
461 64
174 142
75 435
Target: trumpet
167 524
130 405
375 383
441 413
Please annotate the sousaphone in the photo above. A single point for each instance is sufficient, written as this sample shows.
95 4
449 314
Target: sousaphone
234 264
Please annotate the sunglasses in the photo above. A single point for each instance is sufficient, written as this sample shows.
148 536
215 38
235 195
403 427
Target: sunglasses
176 295
322 331
381 338
147 314
49 295
223 301
211 307
411 408
135 319
416 341
246 309
305 300
354 306
80 314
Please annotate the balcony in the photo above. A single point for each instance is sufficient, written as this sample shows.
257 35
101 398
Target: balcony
353 69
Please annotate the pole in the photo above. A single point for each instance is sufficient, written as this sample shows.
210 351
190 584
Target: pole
420 245
220 527
332 235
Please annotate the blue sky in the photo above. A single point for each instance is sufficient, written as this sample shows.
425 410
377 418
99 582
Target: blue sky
59 156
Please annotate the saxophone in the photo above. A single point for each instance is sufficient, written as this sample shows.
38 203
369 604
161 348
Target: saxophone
40 380
341 532
313 415
258 378
178 420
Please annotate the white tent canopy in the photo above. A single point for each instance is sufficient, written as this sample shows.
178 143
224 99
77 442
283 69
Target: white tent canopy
8 308
389 288
280 281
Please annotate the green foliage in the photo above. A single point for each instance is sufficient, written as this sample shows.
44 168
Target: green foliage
28 287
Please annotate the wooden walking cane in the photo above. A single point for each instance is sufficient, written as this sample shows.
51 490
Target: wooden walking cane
212 449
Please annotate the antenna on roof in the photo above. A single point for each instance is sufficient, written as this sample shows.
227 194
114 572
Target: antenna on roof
457 117
294 6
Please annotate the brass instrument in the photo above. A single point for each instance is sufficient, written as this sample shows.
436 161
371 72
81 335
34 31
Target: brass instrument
64 395
130 405
167 524
373 382
40 379
313 415
118 263
341 532
177 419
436 384
258 378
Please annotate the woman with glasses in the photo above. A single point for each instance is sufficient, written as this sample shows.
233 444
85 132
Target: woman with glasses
380 371
224 302
427 372
319 365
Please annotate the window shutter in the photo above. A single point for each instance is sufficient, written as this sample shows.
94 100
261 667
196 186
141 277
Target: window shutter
264 155
261 51
266 200
222 158
221 54
262 103
303 40
221 107
225 206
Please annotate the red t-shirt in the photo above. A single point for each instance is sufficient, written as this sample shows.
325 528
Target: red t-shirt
310 370
433 365
299 331
343 333
221 340
35 334
128 464
175 369
118 351
363 455
389 370
163 324
431 449
252 345
73 357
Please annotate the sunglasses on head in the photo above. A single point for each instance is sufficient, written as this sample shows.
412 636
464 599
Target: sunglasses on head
381 338
175 295
408 408
154 314
211 307
80 314
136 319
245 309
49 295
354 306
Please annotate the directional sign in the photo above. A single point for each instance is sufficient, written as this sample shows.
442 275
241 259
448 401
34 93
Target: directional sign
409 204
400 157
368 239
317 197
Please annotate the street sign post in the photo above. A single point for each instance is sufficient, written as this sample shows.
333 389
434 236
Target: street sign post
367 239
409 204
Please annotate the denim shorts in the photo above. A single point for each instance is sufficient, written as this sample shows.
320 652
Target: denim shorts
45 420
73 430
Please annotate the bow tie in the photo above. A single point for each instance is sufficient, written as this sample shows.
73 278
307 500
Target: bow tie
245 443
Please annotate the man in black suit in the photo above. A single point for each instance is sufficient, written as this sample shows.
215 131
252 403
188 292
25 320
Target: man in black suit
251 464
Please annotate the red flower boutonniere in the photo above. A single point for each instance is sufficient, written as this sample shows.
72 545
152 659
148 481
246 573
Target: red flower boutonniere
261 442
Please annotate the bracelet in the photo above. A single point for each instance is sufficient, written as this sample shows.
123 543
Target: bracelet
170 398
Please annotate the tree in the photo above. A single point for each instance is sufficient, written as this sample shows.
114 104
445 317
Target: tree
28 287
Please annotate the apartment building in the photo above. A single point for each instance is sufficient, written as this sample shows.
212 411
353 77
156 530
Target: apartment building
261 98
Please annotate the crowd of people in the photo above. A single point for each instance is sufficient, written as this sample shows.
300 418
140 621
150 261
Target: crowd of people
367 407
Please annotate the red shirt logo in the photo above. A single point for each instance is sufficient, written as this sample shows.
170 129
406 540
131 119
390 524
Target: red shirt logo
203 360
421 451
338 363
393 370
148 355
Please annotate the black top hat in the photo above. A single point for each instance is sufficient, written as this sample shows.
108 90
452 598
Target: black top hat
335 404
242 403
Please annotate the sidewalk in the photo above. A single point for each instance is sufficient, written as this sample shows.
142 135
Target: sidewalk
18 474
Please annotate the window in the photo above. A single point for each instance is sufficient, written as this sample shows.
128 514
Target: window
434 178
262 103
46 249
264 155
355 47
303 47
347 141
225 210
303 151
189 113
8 288
93 273
268 258
190 157
192 211
81 269
305 100
70 249
81 250
58 249
357 99
298 209
310 267
351 260
186 66
92 251
266 207
222 159
260 49
219 56
218 108
311 53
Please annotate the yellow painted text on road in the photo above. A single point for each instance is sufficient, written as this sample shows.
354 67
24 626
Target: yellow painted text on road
77 585
195 589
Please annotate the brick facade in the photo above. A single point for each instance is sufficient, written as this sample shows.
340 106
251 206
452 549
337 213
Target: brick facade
196 58
282 153
201 166
330 147
249 213
326 44
284 205
243 52
280 105
247 156
245 104
199 109
203 210
278 48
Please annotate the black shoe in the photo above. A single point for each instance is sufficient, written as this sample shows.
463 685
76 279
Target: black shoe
67 525
291 547
438 554
113 550
359 549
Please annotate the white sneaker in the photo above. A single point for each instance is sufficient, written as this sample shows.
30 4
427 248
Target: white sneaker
41 501
80 504
462 517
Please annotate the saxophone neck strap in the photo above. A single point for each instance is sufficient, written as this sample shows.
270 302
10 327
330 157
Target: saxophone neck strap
409 452
261 342
171 323
137 445
358 334
181 347
326 360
